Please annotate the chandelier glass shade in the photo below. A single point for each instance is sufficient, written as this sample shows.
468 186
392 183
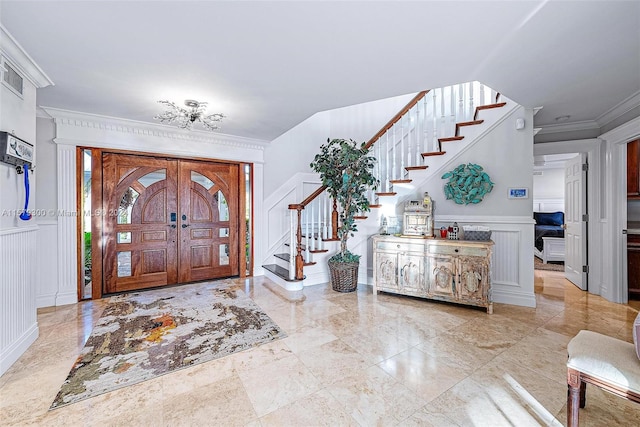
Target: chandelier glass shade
185 118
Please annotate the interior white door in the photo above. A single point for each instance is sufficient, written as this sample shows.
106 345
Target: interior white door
575 182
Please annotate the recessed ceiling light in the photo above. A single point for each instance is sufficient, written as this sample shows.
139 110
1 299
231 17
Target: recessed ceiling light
562 118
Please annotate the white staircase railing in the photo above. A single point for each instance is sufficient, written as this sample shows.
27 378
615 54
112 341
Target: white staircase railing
418 131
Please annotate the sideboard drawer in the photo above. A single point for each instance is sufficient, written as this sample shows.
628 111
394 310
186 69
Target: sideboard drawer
457 250
399 247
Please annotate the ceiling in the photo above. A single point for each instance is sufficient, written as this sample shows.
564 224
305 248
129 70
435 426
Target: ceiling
270 65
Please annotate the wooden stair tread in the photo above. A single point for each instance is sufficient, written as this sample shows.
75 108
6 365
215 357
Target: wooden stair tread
400 181
469 123
415 168
360 217
434 153
451 138
279 271
488 107
309 263
330 240
375 206
318 251
386 194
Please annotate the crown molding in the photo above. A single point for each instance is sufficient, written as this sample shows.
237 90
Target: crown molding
21 60
569 127
77 119
625 106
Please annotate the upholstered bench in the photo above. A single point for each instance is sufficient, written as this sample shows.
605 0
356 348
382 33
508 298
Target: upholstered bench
605 362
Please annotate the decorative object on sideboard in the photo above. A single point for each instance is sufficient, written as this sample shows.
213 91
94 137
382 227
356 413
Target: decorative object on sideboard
418 217
185 118
467 184
345 168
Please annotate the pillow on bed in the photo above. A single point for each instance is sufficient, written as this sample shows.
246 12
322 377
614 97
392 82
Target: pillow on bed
636 334
549 218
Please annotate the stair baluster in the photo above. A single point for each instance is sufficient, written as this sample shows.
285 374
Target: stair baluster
399 147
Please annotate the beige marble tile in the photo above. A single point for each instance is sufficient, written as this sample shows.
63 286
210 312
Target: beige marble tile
221 403
373 397
333 361
274 385
469 403
307 338
427 375
317 409
436 364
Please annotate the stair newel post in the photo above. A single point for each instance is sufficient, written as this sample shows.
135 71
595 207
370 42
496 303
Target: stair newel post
482 100
312 227
299 262
426 123
292 244
417 131
334 221
325 214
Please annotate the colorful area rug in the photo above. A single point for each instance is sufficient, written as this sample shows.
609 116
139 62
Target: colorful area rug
549 266
143 335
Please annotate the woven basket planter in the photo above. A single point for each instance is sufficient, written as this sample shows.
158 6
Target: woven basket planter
344 276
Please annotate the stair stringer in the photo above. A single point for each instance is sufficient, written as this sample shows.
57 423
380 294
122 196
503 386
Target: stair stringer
360 243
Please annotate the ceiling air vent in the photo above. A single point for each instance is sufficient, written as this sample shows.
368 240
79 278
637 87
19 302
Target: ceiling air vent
12 79
537 173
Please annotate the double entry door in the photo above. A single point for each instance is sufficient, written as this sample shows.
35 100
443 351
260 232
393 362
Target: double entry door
167 221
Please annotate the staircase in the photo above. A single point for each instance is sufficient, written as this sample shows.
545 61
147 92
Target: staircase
429 133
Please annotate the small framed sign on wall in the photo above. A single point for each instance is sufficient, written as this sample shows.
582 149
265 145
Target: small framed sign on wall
518 193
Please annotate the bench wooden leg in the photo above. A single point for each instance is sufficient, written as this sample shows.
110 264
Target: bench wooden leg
583 394
575 397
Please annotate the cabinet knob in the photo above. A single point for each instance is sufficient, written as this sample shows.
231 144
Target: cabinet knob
398 246
456 250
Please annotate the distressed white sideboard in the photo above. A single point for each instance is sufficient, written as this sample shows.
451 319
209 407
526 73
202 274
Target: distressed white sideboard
457 271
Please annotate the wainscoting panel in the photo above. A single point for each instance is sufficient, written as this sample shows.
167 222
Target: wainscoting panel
18 322
505 268
47 273
512 259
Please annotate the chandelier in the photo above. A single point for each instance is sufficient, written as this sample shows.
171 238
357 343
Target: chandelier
186 117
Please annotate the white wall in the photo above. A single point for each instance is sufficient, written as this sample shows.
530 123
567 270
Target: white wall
18 117
19 327
291 153
46 202
549 185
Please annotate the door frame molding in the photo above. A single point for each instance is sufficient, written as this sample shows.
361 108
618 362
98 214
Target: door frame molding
595 187
77 129
97 248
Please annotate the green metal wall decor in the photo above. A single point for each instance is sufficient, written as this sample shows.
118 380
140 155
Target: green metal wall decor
467 184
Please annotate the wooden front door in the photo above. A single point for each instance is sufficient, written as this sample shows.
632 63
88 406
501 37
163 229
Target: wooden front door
167 221
208 223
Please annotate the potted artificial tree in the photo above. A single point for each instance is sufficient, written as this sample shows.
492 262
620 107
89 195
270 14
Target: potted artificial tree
346 170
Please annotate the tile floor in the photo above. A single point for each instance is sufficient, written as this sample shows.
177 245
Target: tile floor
349 359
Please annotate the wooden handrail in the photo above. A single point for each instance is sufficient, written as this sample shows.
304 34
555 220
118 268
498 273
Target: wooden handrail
397 117
372 141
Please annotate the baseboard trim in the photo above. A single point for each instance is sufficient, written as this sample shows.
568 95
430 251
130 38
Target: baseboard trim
13 353
514 298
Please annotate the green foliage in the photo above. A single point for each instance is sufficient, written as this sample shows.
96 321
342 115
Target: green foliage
87 251
345 257
346 170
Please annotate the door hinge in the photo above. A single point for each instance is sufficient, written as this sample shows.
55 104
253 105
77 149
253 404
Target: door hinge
585 217
585 269
585 167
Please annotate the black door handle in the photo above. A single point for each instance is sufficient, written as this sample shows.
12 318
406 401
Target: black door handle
185 225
